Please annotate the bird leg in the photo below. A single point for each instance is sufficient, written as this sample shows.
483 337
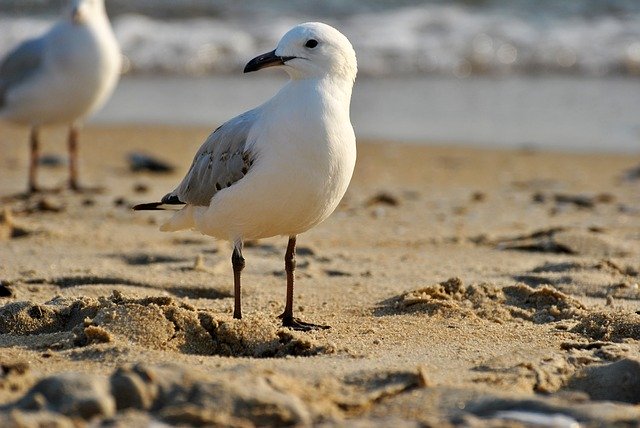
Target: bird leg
34 139
289 267
74 185
237 261
287 316
73 158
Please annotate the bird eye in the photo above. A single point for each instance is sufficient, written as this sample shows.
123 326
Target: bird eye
311 43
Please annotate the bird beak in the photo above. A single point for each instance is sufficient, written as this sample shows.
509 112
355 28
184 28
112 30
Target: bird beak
80 13
77 15
269 59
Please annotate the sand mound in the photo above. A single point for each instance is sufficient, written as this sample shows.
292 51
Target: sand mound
160 323
619 381
452 297
611 326
26 318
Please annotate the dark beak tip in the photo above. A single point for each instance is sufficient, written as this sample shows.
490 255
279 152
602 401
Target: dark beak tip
268 59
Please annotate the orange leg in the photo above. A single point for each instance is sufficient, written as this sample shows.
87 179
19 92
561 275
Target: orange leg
34 139
73 158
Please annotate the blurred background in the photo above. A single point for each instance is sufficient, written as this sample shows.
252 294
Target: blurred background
550 74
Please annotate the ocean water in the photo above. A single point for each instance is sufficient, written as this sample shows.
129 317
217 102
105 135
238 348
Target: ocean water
552 74
391 37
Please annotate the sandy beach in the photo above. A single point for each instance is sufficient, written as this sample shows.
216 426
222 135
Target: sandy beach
463 287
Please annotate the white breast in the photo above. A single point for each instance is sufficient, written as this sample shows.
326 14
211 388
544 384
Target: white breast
306 154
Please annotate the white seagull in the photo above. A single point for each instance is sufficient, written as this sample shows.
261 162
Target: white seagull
61 77
283 167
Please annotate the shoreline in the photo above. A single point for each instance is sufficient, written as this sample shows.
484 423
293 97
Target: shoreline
539 112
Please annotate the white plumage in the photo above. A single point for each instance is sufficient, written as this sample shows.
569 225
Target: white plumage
283 167
62 76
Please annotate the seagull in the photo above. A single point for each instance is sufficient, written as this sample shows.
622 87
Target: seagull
281 168
60 78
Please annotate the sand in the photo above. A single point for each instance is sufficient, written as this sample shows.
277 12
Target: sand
463 287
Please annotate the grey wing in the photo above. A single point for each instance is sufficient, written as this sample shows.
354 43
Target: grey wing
222 160
20 64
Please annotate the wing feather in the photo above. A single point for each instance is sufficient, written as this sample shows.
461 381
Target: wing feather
20 64
220 162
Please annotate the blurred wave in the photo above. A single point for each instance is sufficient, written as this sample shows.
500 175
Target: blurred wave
391 37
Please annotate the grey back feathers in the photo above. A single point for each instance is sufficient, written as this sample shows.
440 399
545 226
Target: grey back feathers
20 64
222 160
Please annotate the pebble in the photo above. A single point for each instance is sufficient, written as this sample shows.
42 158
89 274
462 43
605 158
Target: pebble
72 394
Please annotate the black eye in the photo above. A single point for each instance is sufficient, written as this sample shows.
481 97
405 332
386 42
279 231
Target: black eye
311 43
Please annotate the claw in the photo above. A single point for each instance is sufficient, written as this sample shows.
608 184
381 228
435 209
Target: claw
299 325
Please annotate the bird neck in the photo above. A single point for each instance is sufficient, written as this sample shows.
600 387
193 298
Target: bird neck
100 18
329 88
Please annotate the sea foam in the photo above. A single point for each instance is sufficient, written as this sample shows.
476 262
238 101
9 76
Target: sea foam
431 38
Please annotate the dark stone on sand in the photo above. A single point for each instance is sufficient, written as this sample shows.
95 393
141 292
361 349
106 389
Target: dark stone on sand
120 202
48 205
140 188
538 197
559 240
305 251
139 162
585 201
582 201
632 174
383 198
141 259
478 196
18 367
335 272
5 290
52 160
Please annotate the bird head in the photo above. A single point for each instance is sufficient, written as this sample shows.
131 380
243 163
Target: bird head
82 11
310 50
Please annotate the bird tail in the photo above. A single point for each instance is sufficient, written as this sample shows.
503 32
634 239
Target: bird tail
169 202
148 207
182 219
157 206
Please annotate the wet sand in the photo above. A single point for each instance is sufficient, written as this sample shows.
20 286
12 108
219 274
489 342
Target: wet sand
570 113
462 286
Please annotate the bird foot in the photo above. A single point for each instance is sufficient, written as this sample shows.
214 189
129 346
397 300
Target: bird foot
77 188
299 325
28 194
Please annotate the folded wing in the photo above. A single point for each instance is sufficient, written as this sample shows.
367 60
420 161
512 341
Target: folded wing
221 161
20 64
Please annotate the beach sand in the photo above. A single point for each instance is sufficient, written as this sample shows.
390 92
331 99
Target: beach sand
463 286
